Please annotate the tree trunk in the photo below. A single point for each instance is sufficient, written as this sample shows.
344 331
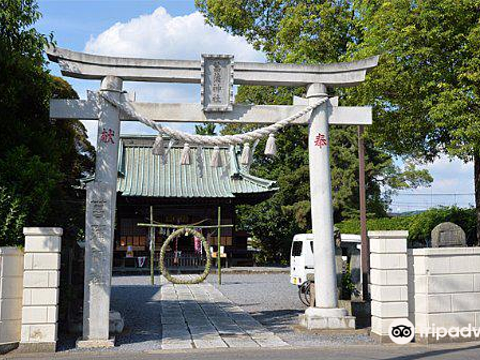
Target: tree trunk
476 161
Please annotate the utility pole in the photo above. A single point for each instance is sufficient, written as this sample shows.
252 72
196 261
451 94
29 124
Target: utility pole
365 243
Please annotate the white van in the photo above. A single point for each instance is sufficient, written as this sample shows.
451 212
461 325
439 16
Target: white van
301 256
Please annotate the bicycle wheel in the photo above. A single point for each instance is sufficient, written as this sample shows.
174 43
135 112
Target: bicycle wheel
304 293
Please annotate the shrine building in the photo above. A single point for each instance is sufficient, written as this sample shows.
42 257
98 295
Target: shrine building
180 194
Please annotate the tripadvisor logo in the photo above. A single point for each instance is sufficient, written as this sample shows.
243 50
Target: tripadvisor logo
401 331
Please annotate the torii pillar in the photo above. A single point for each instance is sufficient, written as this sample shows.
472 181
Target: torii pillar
325 314
99 221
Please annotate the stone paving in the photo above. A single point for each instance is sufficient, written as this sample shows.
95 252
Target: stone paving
200 316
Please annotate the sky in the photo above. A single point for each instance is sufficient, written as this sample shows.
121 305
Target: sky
173 29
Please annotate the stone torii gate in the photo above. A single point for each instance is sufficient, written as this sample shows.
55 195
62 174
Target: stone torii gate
217 107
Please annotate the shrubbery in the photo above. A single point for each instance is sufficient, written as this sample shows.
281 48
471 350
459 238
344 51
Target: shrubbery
41 159
419 226
12 218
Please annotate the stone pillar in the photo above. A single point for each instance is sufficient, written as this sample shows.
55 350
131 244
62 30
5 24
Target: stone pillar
99 225
41 281
325 314
388 280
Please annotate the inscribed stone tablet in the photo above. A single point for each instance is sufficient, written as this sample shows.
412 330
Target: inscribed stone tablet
448 235
217 83
98 232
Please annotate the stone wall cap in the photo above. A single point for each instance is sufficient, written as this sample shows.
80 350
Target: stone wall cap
446 251
42 231
10 250
388 234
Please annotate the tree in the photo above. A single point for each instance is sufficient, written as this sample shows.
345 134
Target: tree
425 91
305 32
427 86
206 129
276 220
40 158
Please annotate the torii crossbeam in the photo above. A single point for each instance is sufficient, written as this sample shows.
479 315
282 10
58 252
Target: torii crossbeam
101 194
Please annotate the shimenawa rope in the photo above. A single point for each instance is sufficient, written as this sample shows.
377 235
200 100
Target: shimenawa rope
221 140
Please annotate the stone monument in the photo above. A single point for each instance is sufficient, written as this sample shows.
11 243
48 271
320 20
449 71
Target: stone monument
448 234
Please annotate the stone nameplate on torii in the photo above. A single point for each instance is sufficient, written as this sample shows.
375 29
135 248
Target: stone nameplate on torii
215 74
217 83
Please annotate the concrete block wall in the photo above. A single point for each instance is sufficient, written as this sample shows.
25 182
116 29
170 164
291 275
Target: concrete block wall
447 291
388 280
41 281
11 282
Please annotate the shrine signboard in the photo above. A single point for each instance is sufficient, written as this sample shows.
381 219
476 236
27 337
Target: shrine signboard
217 83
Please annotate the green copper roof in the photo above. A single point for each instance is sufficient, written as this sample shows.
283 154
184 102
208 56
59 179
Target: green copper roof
143 174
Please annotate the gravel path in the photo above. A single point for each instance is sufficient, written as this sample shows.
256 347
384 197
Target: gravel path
273 301
139 303
269 298
140 306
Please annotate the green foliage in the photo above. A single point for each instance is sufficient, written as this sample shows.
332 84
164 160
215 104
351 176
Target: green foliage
423 223
206 129
12 219
352 226
425 91
40 158
307 32
419 226
426 87
17 35
287 30
347 286
276 220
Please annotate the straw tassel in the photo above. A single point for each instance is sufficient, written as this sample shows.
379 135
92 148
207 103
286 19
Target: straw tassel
200 161
158 148
185 158
246 154
271 147
216 160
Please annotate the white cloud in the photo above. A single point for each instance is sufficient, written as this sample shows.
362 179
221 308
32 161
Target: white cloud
161 35
451 176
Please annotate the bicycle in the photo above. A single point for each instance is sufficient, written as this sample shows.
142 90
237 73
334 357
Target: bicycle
304 292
